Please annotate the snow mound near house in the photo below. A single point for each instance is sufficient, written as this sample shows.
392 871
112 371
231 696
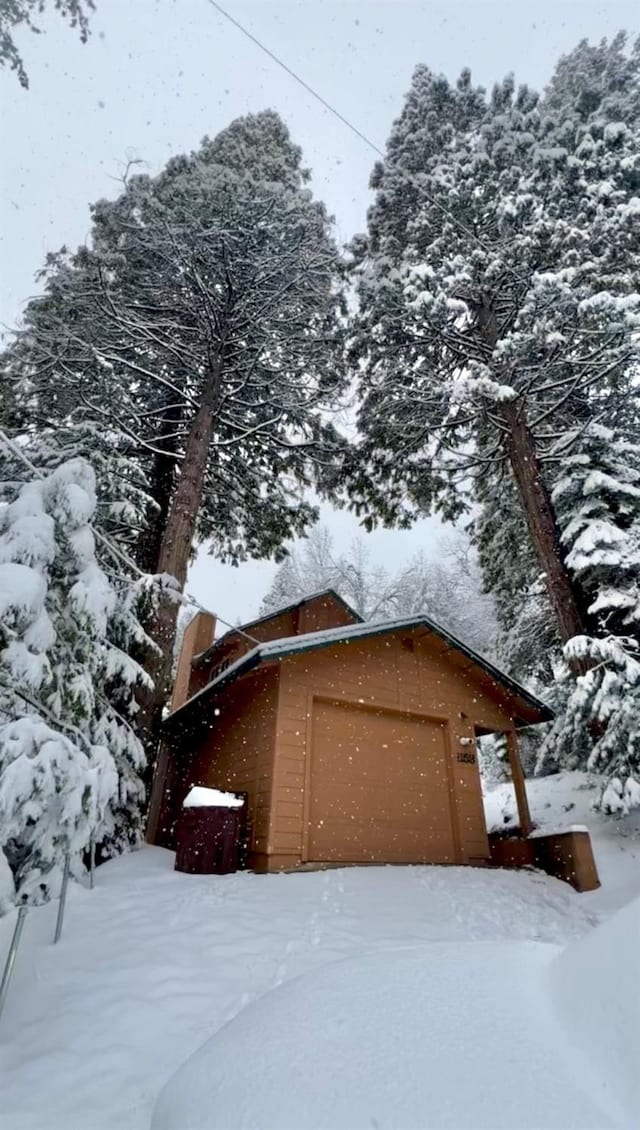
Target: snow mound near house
596 988
452 1037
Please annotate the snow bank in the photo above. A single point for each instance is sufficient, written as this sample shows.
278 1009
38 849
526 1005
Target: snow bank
201 797
566 800
452 1037
153 962
596 987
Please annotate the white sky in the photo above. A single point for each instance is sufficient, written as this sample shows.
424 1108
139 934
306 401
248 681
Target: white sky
157 75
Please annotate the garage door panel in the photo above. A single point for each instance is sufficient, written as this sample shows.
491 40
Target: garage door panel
356 842
379 788
374 801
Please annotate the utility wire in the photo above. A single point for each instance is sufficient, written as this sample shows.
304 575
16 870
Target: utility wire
296 77
354 129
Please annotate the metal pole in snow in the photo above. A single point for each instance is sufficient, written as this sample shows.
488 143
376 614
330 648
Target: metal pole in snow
63 898
11 956
92 861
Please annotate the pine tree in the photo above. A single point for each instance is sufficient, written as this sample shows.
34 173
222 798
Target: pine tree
597 500
498 308
527 638
70 763
204 324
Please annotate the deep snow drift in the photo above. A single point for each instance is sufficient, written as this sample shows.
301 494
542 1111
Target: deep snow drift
595 985
446 1036
152 963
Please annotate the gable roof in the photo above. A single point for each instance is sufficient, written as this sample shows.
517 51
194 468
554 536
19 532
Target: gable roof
245 629
292 645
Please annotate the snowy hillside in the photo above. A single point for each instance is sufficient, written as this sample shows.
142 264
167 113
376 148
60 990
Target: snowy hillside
153 963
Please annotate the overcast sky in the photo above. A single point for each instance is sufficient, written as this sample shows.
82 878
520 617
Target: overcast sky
157 75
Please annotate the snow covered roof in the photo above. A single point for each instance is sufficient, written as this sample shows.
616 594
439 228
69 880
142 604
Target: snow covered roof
291 645
245 629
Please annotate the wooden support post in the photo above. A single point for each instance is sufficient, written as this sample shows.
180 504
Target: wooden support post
517 776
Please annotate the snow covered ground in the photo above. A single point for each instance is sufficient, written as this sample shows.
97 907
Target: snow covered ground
153 963
566 799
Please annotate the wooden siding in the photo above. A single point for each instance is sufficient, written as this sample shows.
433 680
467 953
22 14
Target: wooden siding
236 750
198 635
314 615
409 671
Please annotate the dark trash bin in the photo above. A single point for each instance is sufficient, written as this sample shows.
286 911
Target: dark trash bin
209 839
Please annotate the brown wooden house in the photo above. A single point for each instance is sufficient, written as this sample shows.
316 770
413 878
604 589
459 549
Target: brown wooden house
355 742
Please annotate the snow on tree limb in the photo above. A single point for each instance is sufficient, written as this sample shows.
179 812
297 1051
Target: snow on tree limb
69 760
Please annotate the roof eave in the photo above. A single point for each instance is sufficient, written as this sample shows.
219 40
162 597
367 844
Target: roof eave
256 657
242 629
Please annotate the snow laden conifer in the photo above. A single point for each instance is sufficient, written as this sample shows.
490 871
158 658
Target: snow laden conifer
205 324
597 500
70 762
502 307
499 289
14 13
527 640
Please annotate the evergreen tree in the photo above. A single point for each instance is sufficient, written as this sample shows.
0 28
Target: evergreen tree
597 500
70 763
499 307
204 327
527 638
499 303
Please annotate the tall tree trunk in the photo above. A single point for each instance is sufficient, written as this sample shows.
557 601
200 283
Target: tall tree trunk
541 521
534 498
173 560
161 488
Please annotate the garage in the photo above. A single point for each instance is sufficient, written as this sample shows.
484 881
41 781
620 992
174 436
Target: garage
380 789
355 743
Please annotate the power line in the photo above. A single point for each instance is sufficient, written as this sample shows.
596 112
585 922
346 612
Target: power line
354 129
296 77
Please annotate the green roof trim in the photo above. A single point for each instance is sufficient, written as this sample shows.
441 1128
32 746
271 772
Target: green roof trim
244 629
312 641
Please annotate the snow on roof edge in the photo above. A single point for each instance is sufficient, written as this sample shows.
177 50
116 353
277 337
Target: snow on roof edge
287 645
241 629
